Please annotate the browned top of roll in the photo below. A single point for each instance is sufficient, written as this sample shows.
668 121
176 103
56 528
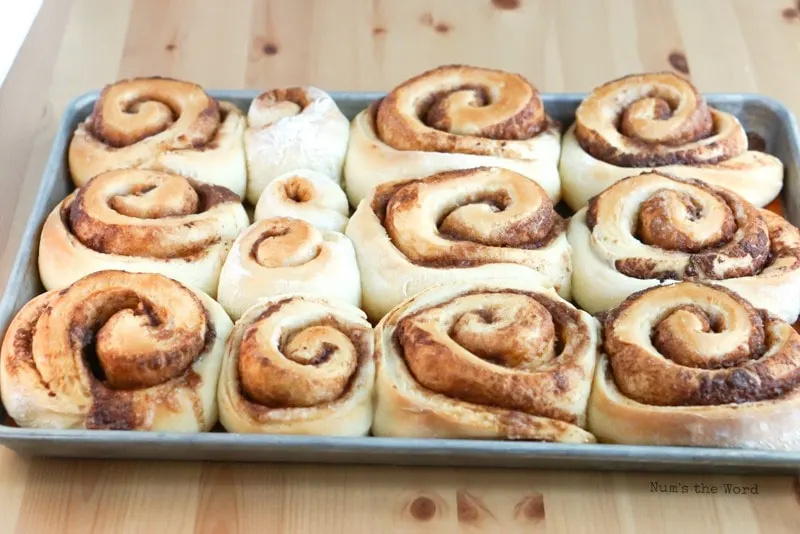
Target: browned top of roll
509 349
146 213
462 109
655 119
468 217
697 344
176 112
113 333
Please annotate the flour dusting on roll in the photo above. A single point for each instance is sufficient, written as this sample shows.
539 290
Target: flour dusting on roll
115 351
165 124
306 195
652 229
659 121
299 364
285 255
694 364
485 360
141 221
290 129
449 118
468 225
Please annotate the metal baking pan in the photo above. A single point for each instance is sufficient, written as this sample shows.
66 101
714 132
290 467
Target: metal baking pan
761 116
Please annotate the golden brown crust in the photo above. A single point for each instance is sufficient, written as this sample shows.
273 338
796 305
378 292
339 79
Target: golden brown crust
299 365
460 109
476 358
115 350
655 119
702 352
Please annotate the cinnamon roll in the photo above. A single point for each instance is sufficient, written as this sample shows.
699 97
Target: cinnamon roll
290 129
306 195
298 364
474 224
661 122
650 229
284 255
143 221
691 364
485 360
115 351
163 124
449 118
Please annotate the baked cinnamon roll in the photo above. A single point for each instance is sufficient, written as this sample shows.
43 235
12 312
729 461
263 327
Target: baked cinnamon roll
449 118
284 255
661 122
299 364
469 225
692 364
162 124
115 351
143 221
306 195
650 229
485 360
290 129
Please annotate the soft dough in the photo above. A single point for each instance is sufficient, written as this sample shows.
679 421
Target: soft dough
453 117
158 344
659 121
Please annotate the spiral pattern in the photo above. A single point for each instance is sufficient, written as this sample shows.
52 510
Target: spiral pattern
115 350
652 227
465 361
659 121
461 109
473 220
449 118
298 365
285 255
141 220
294 128
305 195
161 123
703 353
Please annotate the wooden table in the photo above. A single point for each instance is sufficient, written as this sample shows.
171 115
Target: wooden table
726 45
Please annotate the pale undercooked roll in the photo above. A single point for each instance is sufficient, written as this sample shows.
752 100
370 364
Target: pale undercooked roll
485 360
299 364
651 229
453 117
468 225
284 255
306 195
164 124
290 129
691 364
144 221
115 351
659 121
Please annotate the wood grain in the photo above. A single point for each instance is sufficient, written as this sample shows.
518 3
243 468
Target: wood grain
568 45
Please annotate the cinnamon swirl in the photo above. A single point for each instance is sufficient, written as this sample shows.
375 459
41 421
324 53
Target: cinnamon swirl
471 225
284 255
692 364
290 129
660 121
298 364
115 351
649 229
449 118
163 124
143 221
306 195
502 359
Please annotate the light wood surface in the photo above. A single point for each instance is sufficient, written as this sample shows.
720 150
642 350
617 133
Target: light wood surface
74 46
